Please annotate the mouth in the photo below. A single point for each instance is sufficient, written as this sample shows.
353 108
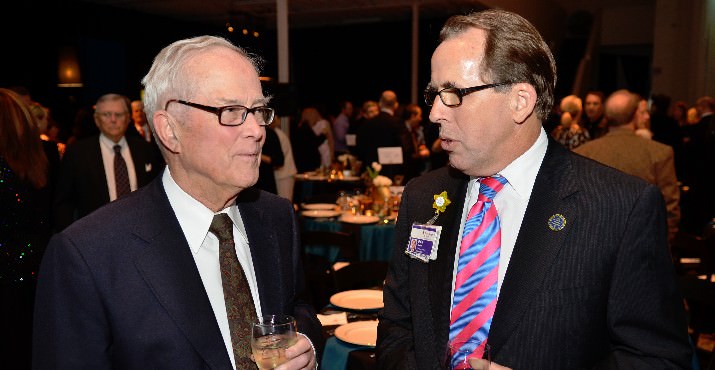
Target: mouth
447 143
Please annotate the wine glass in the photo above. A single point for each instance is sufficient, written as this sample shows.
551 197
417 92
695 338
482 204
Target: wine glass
271 335
467 354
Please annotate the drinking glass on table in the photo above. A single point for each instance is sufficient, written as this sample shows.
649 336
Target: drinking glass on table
271 335
469 354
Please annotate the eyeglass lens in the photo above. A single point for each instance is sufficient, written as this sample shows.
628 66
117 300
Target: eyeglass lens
236 115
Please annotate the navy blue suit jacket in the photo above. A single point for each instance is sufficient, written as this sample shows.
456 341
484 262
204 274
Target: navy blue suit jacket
599 294
120 289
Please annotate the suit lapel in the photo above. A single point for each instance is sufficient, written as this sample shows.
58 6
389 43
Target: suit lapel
437 274
167 266
265 260
94 165
537 245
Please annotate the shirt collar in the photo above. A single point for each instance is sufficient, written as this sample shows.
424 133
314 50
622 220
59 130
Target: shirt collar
521 173
194 218
108 143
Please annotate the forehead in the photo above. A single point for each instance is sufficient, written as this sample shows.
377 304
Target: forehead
220 68
458 59
593 98
111 105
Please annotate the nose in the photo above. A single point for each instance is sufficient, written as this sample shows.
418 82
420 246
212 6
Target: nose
251 127
438 111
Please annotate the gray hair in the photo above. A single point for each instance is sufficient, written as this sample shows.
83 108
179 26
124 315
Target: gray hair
115 97
166 79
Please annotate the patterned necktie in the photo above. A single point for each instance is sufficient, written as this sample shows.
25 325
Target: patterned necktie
121 175
236 292
475 288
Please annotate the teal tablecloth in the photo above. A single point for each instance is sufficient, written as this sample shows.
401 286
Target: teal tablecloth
376 241
335 355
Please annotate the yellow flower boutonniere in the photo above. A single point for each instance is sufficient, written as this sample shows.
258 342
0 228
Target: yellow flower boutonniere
441 201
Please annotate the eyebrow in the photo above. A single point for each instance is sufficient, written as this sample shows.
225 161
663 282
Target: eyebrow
262 101
443 85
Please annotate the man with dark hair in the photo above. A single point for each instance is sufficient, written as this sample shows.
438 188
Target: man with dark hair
551 259
594 120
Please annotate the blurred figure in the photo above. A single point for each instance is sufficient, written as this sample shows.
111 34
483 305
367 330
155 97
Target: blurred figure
569 133
321 126
417 153
25 199
306 141
368 110
382 131
101 168
665 128
284 174
643 120
140 122
700 153
341 127
680 113
623 149
271 158
23 93
594 120
54 148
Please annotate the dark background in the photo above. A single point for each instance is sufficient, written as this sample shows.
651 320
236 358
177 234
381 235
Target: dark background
115 48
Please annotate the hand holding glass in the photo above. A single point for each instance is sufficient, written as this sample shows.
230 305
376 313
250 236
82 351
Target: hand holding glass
271 335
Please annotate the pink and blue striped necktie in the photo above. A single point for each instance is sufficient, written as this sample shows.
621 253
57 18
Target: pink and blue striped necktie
475 288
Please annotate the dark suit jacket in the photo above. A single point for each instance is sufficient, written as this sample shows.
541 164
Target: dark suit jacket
600 293
82 184
120 289
383 130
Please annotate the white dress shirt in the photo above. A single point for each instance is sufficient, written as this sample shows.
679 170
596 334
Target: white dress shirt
195 220
511 203
107 148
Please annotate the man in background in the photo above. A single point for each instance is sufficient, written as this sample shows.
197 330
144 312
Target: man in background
622 149
101 168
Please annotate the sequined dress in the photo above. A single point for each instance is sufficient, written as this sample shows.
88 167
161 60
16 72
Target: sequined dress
24 227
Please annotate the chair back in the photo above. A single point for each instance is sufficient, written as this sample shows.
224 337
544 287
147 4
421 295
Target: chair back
361 275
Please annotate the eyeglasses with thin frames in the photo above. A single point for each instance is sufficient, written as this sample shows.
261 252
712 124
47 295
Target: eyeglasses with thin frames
452 96
232 115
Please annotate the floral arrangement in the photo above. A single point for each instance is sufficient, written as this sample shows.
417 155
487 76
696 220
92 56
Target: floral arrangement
374 170
380 180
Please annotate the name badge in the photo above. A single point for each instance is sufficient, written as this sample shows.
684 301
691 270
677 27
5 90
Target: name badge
424 242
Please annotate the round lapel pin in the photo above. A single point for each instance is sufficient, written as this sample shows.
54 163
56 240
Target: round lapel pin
557 222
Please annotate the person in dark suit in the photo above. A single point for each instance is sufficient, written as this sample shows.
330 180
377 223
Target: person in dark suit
86 179
384 130
173 274
577 271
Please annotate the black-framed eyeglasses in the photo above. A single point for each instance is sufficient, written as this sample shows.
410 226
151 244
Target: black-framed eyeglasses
232 115
452 96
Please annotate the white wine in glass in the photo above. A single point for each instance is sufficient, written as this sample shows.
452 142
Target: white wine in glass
271 335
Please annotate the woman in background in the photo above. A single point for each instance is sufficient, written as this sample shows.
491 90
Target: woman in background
25 198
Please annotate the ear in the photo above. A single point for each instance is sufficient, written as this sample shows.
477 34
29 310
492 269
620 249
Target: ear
164 128
523 102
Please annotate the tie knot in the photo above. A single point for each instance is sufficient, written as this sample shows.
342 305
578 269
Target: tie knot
490 186
222 227
117 149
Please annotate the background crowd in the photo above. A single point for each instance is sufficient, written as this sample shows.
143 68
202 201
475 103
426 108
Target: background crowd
48 181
